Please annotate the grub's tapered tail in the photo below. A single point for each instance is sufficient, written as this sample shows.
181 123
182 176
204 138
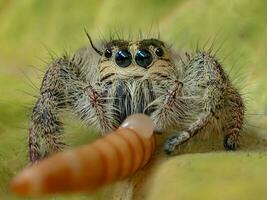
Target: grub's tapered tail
111 158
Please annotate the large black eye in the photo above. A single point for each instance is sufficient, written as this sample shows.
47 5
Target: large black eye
143 58
123 58
108 53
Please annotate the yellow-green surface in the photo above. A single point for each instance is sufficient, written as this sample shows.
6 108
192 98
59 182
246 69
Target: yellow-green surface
217 176
31 29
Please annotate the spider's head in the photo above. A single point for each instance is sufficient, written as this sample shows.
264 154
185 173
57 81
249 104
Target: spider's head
120 59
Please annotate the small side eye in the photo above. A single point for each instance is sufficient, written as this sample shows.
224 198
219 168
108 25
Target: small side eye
123 58
159 52
108 53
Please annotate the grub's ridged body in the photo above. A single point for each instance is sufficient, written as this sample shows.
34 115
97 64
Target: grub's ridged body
114 157
186 94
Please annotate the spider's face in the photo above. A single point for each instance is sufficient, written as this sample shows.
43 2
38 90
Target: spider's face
124 59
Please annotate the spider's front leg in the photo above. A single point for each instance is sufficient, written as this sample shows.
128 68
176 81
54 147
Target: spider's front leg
234 117
45 132
92 105
210 100
204 75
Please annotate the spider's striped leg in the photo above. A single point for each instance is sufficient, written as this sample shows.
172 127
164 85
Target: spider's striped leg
234 120
93 106
164 109
211 82
45 132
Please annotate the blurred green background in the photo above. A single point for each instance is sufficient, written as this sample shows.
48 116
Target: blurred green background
32 30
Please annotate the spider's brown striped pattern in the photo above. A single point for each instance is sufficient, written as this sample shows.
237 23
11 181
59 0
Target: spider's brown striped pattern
183 93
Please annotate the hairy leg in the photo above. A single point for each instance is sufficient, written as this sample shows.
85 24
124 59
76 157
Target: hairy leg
167 110
45 132
203 73
45 128
92 105
234 119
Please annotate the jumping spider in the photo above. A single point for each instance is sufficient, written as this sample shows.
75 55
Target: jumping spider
187 94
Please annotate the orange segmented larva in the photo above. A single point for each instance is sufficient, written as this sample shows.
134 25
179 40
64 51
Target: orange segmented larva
111 158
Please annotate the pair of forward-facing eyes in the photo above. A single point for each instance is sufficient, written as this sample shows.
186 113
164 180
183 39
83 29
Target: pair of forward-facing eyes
143 57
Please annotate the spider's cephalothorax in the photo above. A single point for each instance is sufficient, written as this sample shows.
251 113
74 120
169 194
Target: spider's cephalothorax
102 87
